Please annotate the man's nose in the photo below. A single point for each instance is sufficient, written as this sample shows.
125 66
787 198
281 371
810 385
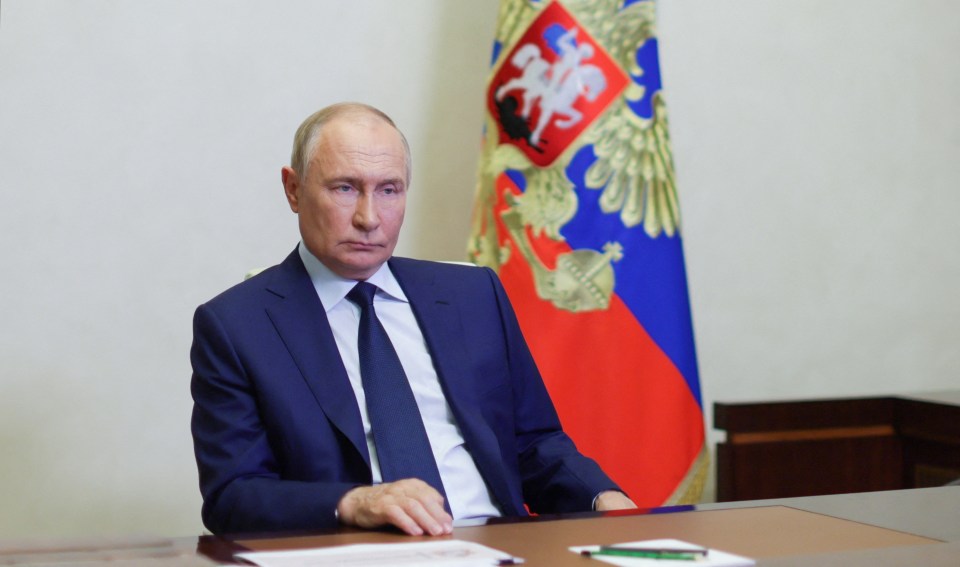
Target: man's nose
365 216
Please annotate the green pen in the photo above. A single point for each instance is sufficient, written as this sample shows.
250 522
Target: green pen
646 554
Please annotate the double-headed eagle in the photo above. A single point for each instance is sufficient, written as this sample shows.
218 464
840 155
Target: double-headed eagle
633 167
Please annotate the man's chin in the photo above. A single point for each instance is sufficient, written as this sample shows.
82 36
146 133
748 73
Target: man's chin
361 265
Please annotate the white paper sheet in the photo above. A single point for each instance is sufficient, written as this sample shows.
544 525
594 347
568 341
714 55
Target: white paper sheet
447 553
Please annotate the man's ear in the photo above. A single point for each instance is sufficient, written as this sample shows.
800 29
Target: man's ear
291 187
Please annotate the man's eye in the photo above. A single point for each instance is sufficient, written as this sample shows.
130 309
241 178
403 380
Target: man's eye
343 189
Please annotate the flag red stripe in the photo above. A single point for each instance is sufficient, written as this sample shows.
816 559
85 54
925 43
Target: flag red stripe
619 396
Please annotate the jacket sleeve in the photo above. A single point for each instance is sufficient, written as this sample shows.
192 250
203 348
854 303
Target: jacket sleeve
555 476
241 481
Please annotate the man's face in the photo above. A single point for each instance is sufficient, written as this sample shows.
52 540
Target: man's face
352 200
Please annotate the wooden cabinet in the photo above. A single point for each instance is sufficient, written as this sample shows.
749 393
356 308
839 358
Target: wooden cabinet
813 447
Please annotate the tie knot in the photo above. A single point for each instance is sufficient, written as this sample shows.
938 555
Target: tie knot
362 294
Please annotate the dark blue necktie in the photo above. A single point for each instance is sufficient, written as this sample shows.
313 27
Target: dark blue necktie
398 433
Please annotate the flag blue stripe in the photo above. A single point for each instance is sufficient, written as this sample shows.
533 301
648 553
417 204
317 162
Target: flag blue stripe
651 277
648 58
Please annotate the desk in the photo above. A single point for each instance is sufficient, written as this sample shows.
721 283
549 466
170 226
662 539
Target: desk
903 527
837 446
922 526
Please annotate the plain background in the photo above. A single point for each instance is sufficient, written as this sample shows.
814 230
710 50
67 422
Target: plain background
817 146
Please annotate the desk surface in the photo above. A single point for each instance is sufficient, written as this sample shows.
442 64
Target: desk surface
930 512
857 529
905 527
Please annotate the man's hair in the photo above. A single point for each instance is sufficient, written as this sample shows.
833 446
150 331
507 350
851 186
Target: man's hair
305 140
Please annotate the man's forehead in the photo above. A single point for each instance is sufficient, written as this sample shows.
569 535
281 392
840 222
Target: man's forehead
346 150
352 155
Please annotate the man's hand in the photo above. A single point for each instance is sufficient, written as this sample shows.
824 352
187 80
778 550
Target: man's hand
410 504
613 500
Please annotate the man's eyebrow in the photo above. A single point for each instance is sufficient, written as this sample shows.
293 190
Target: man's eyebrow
394 181
350 180
356 181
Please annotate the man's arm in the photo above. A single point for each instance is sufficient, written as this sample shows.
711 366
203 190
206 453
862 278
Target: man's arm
556 476
240 478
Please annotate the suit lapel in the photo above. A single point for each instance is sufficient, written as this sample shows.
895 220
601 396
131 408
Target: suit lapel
434 305
301 322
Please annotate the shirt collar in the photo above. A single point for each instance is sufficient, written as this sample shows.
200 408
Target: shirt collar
332 288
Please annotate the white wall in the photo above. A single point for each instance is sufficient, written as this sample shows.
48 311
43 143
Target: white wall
818 153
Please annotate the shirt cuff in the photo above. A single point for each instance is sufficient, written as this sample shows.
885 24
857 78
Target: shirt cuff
595 498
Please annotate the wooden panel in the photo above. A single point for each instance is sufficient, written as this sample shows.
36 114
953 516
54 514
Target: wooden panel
929 476
930 430
755 471
926 420
814 414
810 434
782 449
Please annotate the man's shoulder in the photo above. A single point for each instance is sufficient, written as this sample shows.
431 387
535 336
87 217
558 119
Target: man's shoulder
258 285
461 281
435 266
411 270
246 287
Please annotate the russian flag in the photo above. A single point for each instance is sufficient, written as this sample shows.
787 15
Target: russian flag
581 223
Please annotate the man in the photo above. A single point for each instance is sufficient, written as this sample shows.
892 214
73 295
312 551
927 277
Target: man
283 423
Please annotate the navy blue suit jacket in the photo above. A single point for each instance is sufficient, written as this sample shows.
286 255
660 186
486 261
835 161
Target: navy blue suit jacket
276 427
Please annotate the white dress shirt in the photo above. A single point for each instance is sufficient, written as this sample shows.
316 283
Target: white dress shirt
467 493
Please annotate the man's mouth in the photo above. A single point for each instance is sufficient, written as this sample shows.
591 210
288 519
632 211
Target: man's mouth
363 245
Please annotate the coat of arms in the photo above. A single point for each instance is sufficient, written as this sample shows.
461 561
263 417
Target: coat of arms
571 78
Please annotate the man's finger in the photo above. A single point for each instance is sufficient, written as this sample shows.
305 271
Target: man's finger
413 518
410 504
431 516
397 516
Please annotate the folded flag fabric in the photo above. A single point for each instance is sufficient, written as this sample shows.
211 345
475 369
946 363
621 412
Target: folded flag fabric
576 209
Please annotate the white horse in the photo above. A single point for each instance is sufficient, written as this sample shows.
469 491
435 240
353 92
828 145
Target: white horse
532 82
585 80
555 87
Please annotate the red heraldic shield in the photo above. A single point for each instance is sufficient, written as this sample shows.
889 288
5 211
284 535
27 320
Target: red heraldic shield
555 81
